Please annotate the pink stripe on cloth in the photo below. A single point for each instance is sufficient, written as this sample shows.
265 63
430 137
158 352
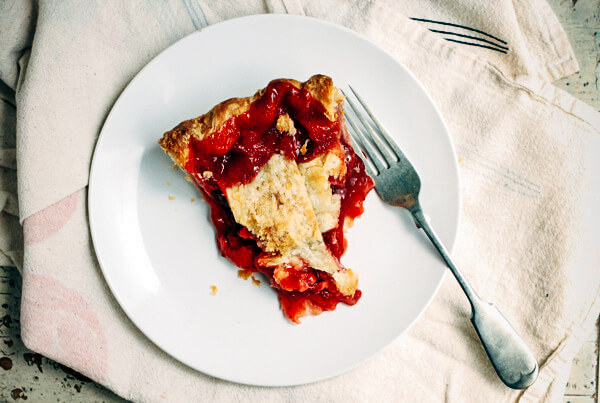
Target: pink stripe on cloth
71 332
43 224
56 319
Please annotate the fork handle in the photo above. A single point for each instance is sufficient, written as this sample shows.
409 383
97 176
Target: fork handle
512 359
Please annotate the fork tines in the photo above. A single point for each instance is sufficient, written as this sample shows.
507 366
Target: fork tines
370 137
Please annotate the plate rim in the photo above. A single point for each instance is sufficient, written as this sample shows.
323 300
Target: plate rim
94 169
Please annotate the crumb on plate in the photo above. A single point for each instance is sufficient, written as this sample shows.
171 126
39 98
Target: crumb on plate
255 281
245 274
214 289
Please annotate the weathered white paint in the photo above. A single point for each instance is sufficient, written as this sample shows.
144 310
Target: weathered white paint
581 21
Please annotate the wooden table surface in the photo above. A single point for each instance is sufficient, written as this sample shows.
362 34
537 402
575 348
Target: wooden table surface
28 376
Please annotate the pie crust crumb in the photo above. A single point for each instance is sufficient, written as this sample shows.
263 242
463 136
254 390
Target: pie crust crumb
245 274
255 281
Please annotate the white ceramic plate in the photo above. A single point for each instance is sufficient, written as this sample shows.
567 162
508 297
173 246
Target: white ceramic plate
159 256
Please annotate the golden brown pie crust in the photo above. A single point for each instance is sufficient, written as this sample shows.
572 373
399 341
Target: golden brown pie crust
175 142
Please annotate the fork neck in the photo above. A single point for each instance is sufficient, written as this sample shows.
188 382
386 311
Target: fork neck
422 223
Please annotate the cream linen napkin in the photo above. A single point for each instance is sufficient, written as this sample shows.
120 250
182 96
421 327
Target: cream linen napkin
526 153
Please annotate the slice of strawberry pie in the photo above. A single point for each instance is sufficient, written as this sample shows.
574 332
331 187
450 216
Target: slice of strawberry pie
283 184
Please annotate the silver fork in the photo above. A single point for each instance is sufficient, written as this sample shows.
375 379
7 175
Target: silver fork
398 184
